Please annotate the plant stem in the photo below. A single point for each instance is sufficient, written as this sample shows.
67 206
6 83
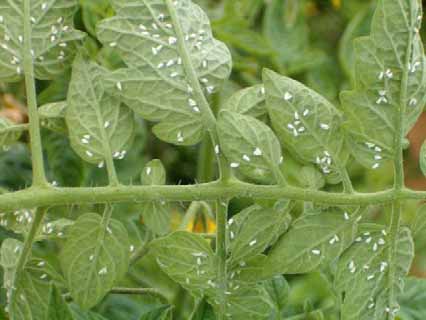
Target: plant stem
139 254
190 214
26 250
141 291
40 197
39 176
221 253
205 158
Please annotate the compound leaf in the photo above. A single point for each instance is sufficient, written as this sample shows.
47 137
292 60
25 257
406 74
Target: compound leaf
330 233
371 273
390 83
188 259
53 37
250 146
9 132
100 127
306 123
172 59
95 255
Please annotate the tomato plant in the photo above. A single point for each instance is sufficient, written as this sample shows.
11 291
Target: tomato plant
100 234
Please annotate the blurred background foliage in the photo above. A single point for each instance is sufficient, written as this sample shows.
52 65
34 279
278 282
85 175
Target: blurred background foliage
309 40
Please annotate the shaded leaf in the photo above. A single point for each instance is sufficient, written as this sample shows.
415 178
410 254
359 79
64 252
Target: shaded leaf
412 300
159 313
95 256
57 308
9 132
52 116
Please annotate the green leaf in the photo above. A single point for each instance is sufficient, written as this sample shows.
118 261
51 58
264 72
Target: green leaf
390 84
250 146
171 57
57 308
94 257
412 300
252 230
306 123
159 313
154 173
287 30
330 233
9 132
54 39
156 214
99 126
52 116
419 226
79 314
249 101
311 178
370 274
188 259
279 291
252 302
31 287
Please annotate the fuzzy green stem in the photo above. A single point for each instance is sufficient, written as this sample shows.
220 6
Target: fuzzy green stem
39 176
221 253
205 170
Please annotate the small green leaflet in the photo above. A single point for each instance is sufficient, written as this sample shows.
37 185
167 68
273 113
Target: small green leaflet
54 39
52 116
247 303
156 214
9 132
279 291
368 279
249 101
30 287
100 126
57 307
390 82
306 123
250 146
159 313
95 256
167 46
315 239
188 259
252 230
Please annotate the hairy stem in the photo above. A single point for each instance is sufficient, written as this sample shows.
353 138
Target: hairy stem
205 170
39 176
40 197
221 252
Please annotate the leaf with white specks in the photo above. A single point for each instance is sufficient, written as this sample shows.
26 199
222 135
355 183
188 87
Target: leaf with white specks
52 116
53 37
94 257
173 60
188 259
305 122
330 233
250 146
100 127
9 132
390 83
370 274
249 101
252 230
156 214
